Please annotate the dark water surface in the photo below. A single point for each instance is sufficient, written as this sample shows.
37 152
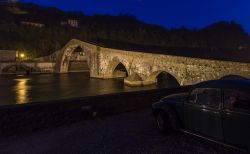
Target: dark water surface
16 89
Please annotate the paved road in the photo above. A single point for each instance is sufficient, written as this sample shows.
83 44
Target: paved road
132 132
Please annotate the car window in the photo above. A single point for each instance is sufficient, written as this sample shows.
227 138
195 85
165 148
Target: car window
236 99
193 96
210 97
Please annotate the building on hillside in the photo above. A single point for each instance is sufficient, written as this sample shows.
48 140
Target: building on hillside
8 55
33 24
71 22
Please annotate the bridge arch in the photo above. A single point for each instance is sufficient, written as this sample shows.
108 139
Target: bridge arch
74 51
117 68
19 68
120 71
162 79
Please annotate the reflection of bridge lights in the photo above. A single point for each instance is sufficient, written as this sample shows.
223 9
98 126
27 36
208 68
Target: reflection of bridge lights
21 91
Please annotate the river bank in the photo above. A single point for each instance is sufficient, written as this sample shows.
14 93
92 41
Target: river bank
25 118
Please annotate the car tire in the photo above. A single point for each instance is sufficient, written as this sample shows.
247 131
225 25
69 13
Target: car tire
163 123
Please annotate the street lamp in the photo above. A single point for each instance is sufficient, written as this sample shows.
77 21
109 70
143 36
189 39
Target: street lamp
22 55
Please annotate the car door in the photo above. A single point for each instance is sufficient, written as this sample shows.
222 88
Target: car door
203 112
236 117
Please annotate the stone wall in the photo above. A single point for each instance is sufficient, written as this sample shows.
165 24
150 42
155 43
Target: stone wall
8 55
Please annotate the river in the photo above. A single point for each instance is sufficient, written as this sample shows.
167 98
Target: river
19 89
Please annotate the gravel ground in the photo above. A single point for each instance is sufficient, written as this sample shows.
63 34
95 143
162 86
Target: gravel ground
132 132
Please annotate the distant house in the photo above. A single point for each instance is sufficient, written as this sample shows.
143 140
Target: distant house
64 23
33 24
240 47
8 55
71 22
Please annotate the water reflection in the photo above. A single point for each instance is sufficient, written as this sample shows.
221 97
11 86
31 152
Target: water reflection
46 87
21 89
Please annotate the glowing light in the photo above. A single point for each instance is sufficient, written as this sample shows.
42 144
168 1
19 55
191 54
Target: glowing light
22 55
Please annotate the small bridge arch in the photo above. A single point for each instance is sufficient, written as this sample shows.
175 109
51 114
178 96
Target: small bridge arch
117 68
163 79
19 68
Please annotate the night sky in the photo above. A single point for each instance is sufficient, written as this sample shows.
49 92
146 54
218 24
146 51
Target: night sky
168 13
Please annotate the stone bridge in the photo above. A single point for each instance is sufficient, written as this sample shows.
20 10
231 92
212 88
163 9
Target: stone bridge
145 68
136 68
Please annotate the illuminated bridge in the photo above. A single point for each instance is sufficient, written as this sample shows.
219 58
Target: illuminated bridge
137 68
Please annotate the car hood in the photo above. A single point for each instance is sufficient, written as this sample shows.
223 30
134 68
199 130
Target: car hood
175 97
170 99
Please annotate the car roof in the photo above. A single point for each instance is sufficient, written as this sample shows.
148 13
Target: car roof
226 83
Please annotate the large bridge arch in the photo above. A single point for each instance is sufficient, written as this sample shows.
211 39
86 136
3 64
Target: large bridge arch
120 71
65 55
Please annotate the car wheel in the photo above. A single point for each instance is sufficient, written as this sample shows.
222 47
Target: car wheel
162 121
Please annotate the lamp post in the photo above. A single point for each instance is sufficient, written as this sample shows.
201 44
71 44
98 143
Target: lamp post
20 59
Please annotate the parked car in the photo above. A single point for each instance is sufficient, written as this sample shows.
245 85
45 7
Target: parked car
216 109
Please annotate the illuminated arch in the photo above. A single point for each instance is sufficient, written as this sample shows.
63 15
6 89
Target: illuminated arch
115 67
120 71
63 58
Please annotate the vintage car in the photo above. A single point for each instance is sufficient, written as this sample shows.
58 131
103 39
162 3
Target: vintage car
218 110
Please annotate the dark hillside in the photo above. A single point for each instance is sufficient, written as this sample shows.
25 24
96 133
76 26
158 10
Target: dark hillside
222 40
